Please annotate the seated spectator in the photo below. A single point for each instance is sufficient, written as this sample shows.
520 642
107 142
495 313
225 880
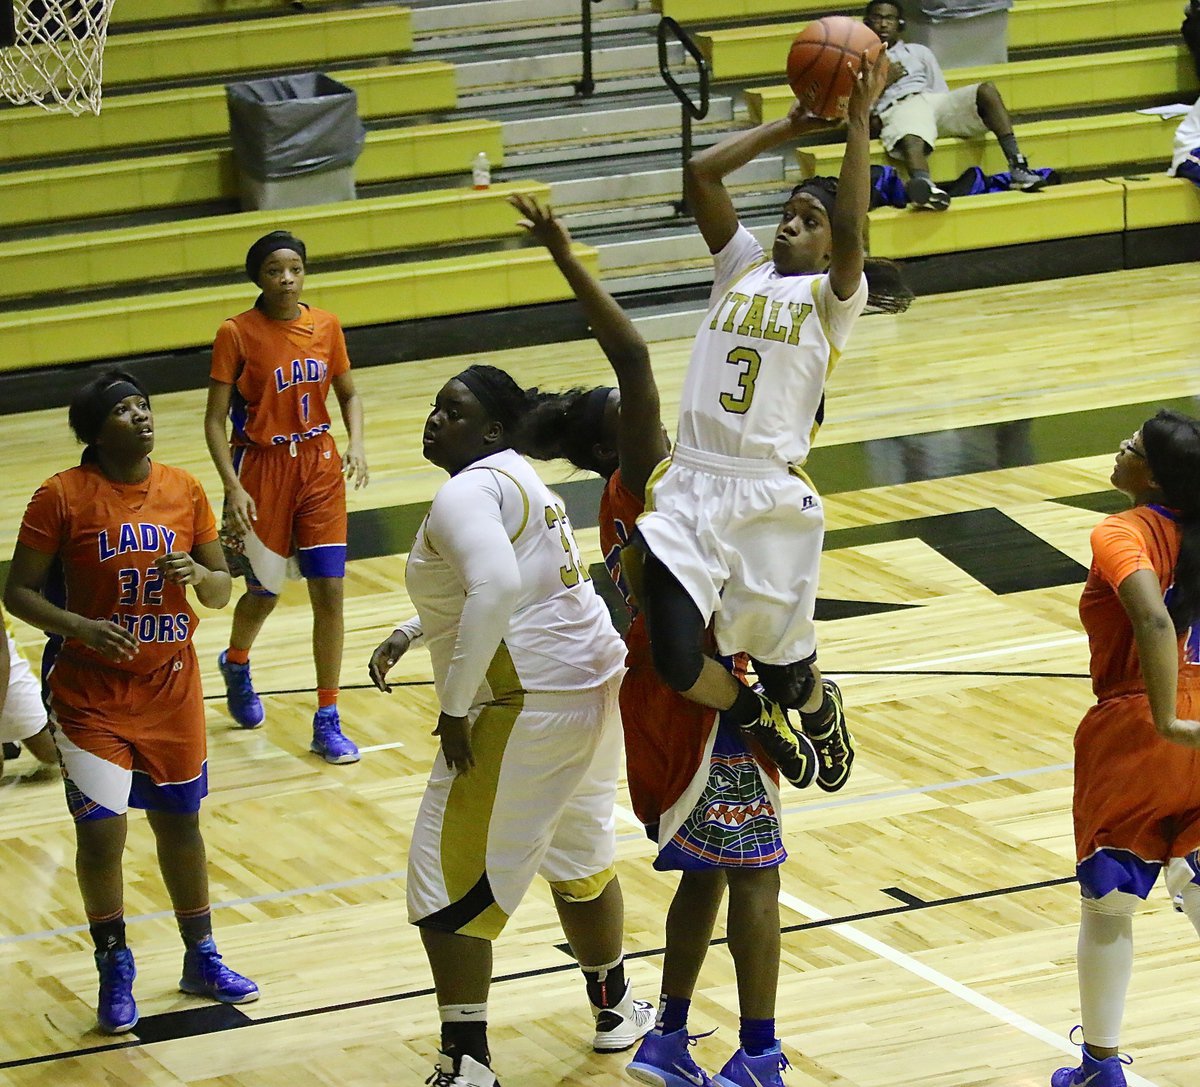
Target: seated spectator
917 107
1185 162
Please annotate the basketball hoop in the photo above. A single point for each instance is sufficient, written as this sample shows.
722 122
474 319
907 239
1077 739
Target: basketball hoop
56 56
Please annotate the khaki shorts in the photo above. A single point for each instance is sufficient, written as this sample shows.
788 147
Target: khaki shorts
930 115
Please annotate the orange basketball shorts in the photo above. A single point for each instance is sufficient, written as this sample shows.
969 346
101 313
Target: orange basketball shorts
130 740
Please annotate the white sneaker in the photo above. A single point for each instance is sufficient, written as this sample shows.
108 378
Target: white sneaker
470 1074
624 1024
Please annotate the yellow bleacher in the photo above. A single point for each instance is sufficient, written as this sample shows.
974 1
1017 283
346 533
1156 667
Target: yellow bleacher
760 52
197 113
177 320
320 37
211 245
132 185
1050 83
1073 144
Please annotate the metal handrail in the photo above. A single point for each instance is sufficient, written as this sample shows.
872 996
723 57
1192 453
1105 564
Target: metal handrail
690 111
585 86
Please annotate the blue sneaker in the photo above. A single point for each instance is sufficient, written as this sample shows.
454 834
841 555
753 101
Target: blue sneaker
663 1060
204 974
245 707
115 1010
743 1070
1092 1073
328 741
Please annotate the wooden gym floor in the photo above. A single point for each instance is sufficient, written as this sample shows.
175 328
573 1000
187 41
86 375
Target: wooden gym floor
928 909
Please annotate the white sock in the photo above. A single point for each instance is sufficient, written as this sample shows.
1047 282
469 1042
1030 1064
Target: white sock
463 1013
1189 900
1105 965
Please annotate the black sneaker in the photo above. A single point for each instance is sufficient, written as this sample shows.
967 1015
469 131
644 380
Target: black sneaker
790 750
834 745
923 193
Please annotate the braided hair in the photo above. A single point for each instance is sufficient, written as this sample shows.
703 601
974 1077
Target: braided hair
1172 442
567 425
887 289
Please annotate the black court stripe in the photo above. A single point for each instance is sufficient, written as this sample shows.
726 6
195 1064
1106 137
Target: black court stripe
911 903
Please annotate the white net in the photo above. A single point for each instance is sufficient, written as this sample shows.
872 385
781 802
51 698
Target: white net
58 59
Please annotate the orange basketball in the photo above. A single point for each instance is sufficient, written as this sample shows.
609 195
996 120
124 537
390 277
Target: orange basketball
824 62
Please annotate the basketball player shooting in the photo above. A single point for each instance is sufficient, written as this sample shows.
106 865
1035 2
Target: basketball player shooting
735 532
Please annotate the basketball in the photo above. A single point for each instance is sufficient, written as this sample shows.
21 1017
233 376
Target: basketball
824 62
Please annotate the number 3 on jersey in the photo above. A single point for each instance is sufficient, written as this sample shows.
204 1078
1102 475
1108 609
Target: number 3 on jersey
742 356
574 571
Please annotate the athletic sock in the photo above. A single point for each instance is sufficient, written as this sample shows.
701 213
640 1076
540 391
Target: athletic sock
605 984
464 1032
327 696
757 1035
237 656
108 933
672 1013
195 926
1008 144
921 173
819 720
746 708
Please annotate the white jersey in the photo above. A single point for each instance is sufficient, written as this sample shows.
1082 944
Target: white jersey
756 380
505 600
1187 138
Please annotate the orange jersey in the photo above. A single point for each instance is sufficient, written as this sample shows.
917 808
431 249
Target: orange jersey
281 372
1145 538
107 536
666 735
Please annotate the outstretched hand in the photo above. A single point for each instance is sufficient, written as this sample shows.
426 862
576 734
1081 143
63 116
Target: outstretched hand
802 122
541 223
869 83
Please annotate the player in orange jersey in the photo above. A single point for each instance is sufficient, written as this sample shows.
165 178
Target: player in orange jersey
22 715
102 564
707 802
1137 751
272 369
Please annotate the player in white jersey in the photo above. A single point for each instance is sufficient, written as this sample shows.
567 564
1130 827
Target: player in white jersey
22 715
733 529
527 668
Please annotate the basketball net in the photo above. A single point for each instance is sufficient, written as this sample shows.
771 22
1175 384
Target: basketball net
58 59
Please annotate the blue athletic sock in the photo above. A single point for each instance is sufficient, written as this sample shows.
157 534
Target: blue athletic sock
672 1014
757 1036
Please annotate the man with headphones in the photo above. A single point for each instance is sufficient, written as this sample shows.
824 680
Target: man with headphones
917 106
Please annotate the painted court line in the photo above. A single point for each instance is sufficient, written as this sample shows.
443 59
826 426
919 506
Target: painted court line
998 651
948 984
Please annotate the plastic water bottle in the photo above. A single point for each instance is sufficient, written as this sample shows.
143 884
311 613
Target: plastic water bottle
481 171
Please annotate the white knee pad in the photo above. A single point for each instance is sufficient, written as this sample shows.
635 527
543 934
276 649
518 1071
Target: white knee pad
1113 904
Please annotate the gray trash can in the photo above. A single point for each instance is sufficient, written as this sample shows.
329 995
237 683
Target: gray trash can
295 140
961 33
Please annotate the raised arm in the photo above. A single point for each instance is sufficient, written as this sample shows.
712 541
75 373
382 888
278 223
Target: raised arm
854 181
704 176
641 442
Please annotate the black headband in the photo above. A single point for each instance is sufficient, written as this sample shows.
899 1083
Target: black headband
820 192
257 254
111 395
482 392
593 410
